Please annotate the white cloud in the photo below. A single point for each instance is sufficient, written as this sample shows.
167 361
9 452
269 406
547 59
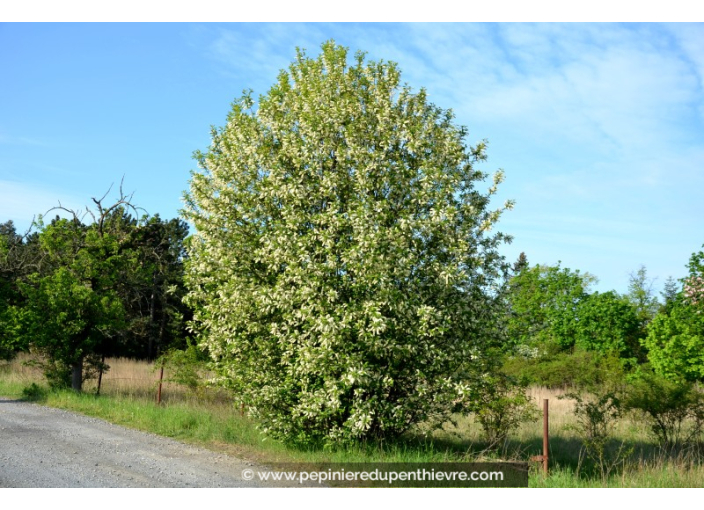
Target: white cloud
260 50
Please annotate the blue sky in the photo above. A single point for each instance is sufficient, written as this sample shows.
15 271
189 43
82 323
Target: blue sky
598 127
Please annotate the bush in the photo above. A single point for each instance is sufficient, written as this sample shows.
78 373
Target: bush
581 369
675 410
58 373
185 367
34 393
500 407
596 414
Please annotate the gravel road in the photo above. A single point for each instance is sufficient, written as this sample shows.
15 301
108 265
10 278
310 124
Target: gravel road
45 447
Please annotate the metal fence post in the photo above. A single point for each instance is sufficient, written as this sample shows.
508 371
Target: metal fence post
545 436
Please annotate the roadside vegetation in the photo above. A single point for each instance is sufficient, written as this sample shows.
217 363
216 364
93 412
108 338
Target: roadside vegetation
208 417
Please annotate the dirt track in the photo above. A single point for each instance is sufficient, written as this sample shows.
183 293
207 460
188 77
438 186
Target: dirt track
45 447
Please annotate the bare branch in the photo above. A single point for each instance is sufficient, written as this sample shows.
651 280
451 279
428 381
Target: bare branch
78 215
101 212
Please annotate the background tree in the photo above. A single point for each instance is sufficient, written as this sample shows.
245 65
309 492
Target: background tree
642 296
543 306
9 240
561 335
675 340
610 325
670 291
520 264
72 308
342 272
675 343
78 292
152 290
65 320
19 257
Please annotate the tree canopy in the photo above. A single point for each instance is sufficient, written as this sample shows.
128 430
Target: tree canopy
343 267
543 304
675 339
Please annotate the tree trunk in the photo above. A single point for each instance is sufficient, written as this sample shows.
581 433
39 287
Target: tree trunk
77 375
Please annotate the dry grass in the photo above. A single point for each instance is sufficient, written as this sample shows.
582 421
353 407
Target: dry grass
130 378
140 379
126 378
126 374
20 371
560 410
560 415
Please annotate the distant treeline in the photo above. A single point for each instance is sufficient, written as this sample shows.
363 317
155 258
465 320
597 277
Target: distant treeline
560 333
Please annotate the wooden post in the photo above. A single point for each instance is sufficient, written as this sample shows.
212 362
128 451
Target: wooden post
100 374
545 437
161 378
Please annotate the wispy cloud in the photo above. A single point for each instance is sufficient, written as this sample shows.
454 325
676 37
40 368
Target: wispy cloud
256 50
24 202
21 140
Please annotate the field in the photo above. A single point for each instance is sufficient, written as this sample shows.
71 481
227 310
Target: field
207 417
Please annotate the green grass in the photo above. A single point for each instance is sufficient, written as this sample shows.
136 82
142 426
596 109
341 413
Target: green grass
210 420
654 476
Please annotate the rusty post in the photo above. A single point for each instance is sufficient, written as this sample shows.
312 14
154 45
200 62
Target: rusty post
100 374
545 436
161 378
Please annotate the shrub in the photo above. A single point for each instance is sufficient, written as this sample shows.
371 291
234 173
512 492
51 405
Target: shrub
500 407
57 373
596 414
185 367
674 409
581 369
34 393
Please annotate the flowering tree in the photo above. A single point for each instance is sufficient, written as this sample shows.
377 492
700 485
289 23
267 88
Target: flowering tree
342 268
694 290
675 340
